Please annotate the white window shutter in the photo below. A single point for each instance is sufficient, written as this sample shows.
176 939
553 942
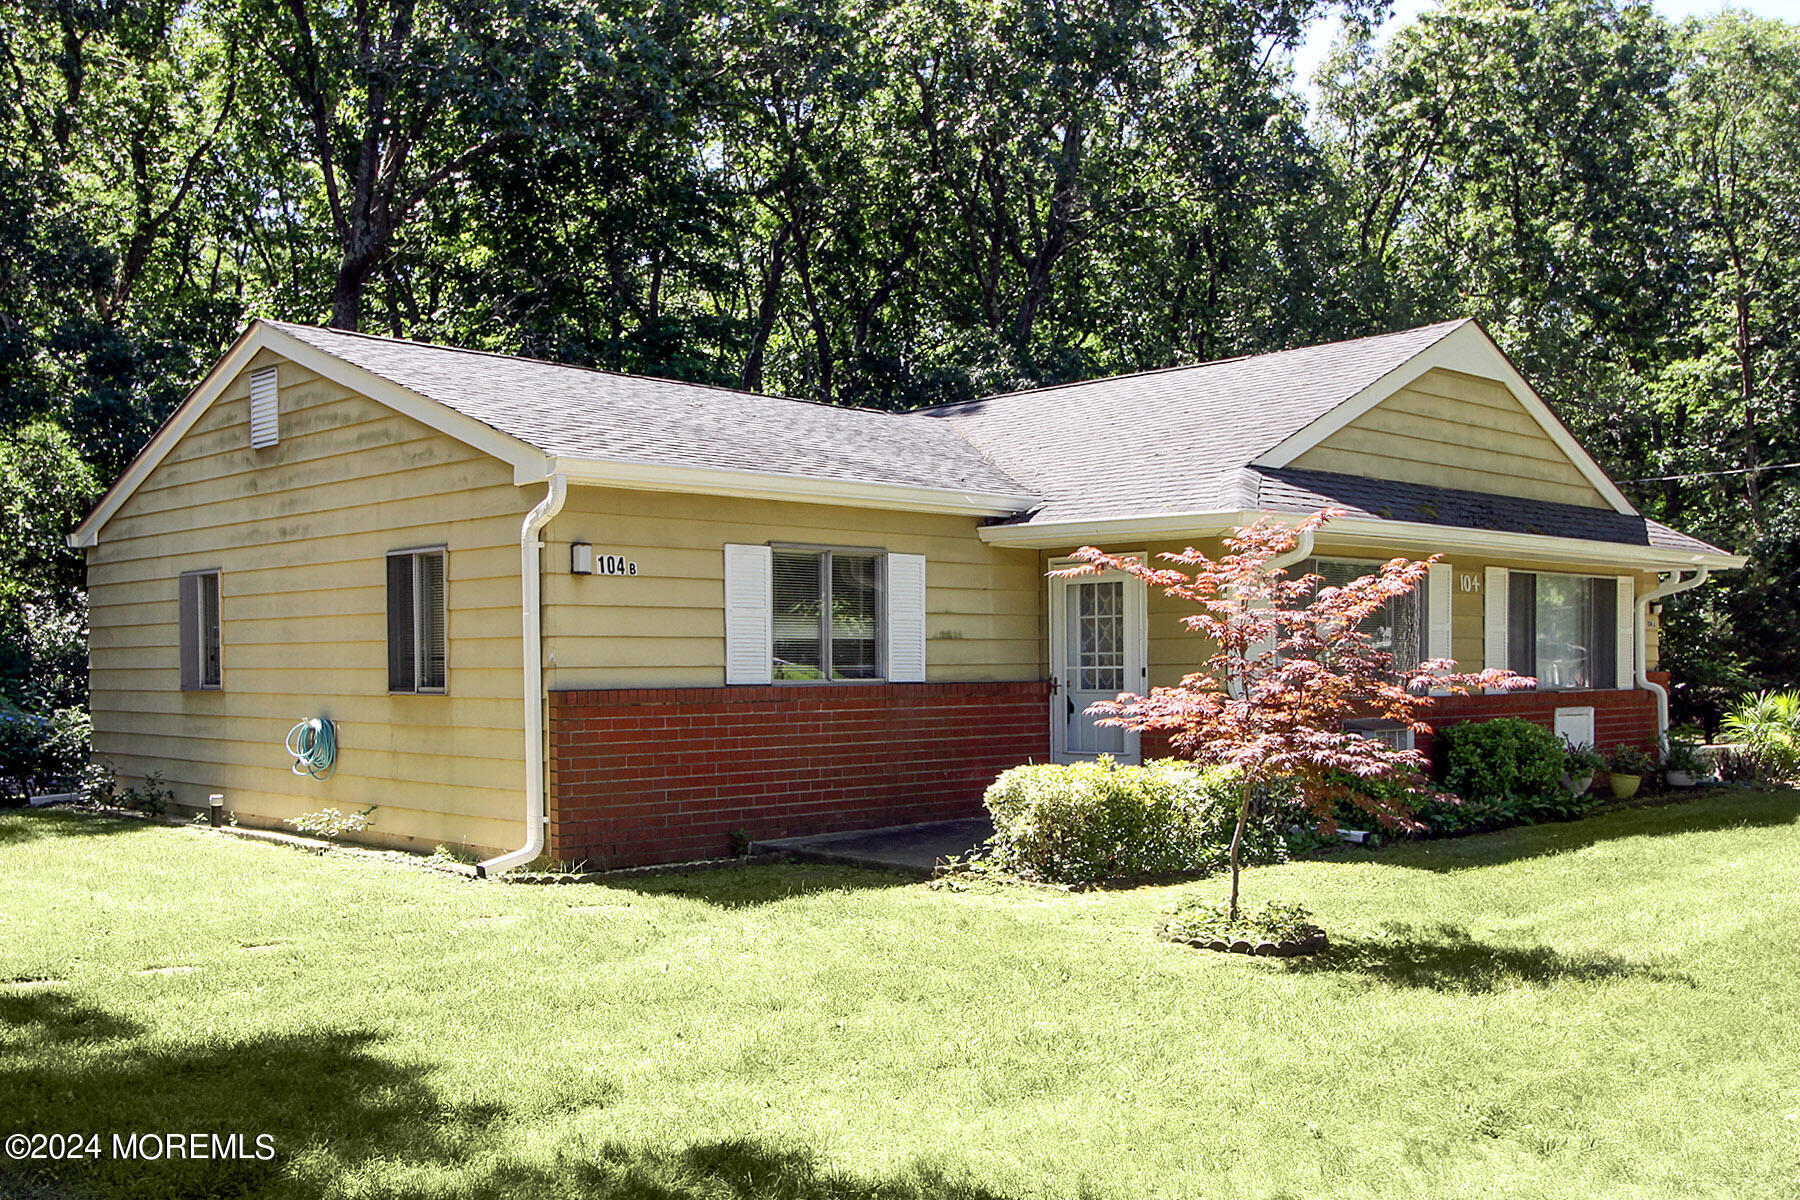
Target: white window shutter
265 416
1440 588
1494 588
1627 653
749 614
906 618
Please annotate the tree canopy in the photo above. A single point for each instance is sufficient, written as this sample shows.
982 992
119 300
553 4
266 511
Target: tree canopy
896 202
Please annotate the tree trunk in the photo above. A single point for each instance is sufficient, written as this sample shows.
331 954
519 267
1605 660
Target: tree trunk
1237 843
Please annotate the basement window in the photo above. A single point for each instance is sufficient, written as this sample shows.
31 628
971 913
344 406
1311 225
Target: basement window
416 625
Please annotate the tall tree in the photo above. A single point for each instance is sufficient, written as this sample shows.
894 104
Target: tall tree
394 100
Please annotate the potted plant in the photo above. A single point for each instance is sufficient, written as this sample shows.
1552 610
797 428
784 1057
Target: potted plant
1626 767
1684 764
1580 763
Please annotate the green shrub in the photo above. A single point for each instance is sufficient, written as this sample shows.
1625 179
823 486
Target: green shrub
1085 823
1502 759
1767 726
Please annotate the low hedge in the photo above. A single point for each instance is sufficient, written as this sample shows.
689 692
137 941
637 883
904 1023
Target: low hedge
1501 759
1087 823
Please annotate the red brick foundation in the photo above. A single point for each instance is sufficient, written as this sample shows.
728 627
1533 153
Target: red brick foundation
1620 717
652 775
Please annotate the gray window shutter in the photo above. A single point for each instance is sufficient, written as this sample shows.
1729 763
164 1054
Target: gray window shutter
265 416
188 617
401 677
1627 632
749 614
906 618
1494 589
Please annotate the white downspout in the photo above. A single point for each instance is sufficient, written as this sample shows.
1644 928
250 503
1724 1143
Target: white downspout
531 590
1641 650
1302 549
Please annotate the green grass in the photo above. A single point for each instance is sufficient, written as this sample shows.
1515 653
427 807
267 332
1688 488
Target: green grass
1602 1009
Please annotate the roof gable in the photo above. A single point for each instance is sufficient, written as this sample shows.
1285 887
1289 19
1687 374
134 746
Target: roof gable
1455 430
1174 440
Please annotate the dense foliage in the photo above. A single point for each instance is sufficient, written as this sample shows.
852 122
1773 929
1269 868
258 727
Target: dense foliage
1087 823
1292 665
888 202
1767 727
1499 759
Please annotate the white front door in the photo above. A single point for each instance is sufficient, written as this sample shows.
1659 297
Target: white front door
1097 650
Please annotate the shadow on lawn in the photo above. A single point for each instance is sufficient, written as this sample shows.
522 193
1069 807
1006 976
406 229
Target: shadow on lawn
1445 958
1711 811
747 884
334 1105
737 1169
325 1098
38 824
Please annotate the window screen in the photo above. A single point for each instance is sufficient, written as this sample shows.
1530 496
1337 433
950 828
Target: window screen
827 622
202 660
416 622
1562 629
1395 629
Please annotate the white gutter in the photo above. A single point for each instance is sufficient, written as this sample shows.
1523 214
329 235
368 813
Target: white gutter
531 590
1359 530
1640 649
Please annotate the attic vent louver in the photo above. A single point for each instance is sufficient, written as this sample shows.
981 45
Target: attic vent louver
265 428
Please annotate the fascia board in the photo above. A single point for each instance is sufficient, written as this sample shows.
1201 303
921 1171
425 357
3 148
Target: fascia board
1402 535
1467 349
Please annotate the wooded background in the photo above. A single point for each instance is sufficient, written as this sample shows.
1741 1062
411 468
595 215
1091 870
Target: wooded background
897 202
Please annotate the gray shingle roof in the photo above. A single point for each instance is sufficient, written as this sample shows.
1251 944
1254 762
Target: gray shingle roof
1162 442
579 413
1291 491
1170 441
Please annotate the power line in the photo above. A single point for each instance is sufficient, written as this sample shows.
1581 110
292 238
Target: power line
1710 474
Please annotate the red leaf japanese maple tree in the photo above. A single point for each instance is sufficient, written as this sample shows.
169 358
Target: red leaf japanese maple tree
1293 663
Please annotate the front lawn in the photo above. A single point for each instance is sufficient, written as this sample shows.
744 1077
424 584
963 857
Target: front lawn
1603 1009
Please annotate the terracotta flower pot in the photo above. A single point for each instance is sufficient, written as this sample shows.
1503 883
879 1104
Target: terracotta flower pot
1624 787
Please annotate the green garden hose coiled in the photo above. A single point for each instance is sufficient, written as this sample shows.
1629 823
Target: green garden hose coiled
313 743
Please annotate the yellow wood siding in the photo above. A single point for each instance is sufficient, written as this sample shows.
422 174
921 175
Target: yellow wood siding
300 534
665 626
1447 429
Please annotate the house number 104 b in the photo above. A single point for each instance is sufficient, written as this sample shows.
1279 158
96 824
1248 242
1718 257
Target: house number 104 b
613 564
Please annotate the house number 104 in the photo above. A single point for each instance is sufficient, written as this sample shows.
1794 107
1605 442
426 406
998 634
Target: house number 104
1469 581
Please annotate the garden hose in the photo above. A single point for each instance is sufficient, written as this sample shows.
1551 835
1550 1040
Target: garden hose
313 743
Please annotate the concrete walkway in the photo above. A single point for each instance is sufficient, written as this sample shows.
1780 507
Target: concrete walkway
915 849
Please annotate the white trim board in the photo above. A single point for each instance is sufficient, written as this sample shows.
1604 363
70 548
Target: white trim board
1466 348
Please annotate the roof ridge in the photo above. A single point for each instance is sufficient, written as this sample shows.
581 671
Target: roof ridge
546 362
930 409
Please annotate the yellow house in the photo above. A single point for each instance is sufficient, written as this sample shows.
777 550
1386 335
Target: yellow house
554 610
